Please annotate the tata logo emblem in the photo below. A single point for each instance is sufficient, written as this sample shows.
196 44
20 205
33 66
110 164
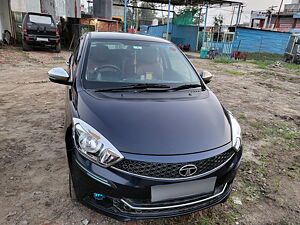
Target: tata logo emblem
188 170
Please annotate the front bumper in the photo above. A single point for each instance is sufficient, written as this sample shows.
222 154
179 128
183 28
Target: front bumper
128 197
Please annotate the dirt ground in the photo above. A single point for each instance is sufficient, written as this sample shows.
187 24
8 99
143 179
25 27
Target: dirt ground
33 167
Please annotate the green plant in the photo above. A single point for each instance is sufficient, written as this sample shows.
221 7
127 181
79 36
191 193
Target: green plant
235 73
242 117
261 64
205 221
223 60
264 56
292 67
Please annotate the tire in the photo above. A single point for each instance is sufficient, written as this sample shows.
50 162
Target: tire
71 189
25 46
58 48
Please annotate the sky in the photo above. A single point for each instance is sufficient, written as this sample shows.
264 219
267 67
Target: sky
249 5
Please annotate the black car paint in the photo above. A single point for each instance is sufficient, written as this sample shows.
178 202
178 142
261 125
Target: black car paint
37 30
170 126
189 124
126 186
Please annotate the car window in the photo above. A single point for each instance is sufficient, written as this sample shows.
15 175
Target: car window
81 42
76 51
40 19
113 63
177 64
75 57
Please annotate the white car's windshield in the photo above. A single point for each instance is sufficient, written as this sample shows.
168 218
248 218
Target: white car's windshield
118 62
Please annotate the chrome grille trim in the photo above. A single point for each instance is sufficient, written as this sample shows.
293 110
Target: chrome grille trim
174 206
183 178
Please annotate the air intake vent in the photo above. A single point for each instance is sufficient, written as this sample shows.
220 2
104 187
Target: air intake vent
171 170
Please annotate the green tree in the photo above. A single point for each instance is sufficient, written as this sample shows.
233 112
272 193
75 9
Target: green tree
218 22
147 14
130 18
197 17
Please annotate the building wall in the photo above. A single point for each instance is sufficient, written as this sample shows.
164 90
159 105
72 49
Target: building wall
48 7
253 40
71 8
286 22
291 8
25 6
158 31
118 11
179 34
57 8
4 17
185 35
60 8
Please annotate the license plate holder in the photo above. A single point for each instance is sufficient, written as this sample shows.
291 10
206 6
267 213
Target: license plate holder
183 189
42 39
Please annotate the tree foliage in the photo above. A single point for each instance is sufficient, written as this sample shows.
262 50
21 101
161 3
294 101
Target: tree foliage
218 22
147 14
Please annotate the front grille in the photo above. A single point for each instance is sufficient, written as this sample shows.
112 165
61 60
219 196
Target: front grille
171 170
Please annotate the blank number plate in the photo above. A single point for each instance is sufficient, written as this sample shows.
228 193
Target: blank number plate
42 39
184 189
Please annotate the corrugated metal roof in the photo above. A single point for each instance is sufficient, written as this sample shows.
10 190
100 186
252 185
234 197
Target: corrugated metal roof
195 2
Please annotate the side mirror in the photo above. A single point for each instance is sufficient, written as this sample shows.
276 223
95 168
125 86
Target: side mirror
59 75
206 76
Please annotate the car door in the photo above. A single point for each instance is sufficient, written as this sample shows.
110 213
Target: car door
71 98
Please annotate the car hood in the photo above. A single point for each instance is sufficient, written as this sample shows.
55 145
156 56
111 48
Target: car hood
156 127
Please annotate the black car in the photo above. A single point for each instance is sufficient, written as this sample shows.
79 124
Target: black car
40 30
145 136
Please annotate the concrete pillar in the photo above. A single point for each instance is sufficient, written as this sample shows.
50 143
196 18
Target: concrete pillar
103 8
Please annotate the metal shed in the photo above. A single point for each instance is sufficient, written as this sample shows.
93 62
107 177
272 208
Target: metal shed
200 3
195 2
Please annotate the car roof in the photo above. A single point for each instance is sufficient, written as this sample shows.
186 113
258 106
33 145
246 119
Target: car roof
125 36
39 14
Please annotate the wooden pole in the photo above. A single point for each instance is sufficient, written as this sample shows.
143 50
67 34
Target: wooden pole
277 18
232 16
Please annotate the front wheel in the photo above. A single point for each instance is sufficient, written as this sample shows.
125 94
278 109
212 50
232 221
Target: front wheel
58 48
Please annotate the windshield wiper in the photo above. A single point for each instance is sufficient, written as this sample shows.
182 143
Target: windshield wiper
185 86
133 87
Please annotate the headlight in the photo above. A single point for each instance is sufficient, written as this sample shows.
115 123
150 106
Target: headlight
94 146
236 133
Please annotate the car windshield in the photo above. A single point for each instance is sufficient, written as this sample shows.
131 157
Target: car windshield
116 63
40 19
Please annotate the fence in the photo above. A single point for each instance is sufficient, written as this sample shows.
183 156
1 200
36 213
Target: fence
253 40
223 47
248 40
